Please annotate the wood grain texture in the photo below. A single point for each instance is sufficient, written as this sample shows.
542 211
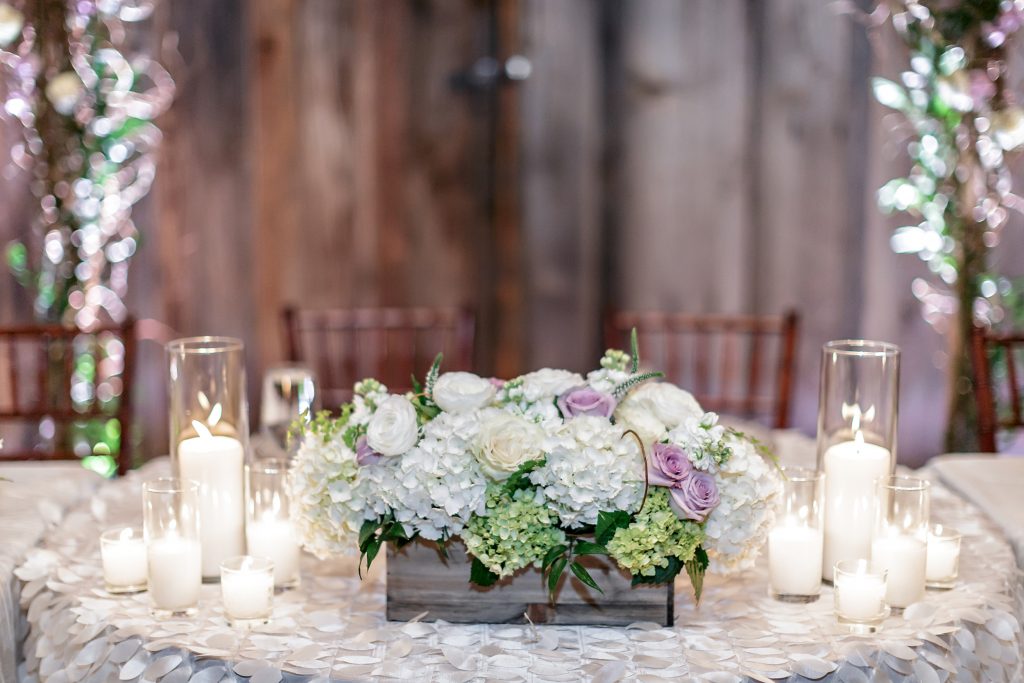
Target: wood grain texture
419 581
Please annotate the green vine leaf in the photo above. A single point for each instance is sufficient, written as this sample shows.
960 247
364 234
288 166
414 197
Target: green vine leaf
583 575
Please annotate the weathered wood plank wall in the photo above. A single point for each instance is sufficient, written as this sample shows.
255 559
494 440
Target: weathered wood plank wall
706 155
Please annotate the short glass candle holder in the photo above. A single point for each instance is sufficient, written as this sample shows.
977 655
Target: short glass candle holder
860 595
795 544
123 551
173 553
269 530
247 589
943 557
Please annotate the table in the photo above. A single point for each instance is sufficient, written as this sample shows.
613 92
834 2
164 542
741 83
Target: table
334 627
32 500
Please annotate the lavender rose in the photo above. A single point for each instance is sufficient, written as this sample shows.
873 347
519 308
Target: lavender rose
364 454
695 496
585 400
668 465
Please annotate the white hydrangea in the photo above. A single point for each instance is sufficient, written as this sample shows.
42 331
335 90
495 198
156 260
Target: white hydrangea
437 485
590 467
736 529
331 496
703 438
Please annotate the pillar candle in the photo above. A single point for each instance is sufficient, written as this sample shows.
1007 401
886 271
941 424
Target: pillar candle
216 464
275 539
175 574
794 559
905 558
851 468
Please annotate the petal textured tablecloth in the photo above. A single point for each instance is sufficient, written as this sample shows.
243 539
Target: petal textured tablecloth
334 627
34 499
995 484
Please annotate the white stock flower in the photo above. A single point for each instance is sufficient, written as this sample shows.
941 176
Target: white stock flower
461 392
504 442
11 23
64 91
606 379
590 467
438 485
393 429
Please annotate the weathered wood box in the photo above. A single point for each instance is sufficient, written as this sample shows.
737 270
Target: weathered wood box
418 581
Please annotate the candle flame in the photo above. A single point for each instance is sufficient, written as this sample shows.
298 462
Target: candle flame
215 414
201 430
246 564
126 534
858 438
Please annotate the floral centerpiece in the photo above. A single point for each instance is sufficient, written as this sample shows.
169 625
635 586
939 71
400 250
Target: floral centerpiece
538 470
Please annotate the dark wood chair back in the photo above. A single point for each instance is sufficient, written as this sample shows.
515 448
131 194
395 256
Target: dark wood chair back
40 386
343 346
997 385
740 365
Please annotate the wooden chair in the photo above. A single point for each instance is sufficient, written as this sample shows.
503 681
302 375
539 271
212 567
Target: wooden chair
741 365
36 373
995 357
343 346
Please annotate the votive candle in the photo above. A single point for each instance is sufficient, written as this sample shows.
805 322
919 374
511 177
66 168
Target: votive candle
943 565
860 595
247 589
123 551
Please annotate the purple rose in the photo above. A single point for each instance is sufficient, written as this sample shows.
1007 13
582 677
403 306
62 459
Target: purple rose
586 401
695 496
364 454
497 383
668 465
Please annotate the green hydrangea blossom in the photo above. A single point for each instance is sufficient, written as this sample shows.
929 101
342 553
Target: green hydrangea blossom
655 535
515 531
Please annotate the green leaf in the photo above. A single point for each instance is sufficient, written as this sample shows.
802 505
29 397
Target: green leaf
552 555
634 350
371 551
417 388
621 390
588 548
520 479
608 523
366 532
555 573
890 94
583 575
696 568
481 575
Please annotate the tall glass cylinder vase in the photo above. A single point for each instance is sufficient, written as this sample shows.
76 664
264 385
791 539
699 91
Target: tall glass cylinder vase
857 413
209 428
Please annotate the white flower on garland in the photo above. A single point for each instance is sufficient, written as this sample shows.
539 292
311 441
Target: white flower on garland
435 487
591 466
654 408
393 429
461 392
331 495
736 529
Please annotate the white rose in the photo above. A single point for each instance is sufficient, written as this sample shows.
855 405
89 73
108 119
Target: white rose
64 90
392 429
653 408
11 23
462 392
548 383
505 442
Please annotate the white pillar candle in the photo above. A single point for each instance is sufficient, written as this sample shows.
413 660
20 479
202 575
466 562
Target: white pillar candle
175 574
905 558
851 468
943 558
275 539
216 464
248 590
860 597
123 552
794 559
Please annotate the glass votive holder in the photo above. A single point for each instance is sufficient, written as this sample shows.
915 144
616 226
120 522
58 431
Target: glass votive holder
795 544
123 551
269 531
900 545
173 552
860 595
247 589
943 557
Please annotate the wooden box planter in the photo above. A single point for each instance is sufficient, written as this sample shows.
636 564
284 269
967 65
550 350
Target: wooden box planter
418 581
